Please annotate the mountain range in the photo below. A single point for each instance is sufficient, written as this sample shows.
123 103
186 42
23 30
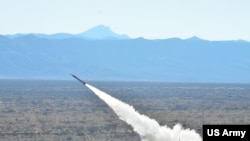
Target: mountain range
101 54
99 32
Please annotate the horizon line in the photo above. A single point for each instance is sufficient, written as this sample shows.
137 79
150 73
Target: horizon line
108 28
130 38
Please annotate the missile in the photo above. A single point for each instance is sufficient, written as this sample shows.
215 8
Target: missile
84 83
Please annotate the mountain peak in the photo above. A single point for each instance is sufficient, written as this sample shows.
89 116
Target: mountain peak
195 38
102 32
101 28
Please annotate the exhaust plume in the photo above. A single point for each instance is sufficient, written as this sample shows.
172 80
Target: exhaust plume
148 129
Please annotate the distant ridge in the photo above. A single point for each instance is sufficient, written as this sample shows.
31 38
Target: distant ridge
102 32
172 60
99 32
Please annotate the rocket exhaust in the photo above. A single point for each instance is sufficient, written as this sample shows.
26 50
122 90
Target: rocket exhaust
148 129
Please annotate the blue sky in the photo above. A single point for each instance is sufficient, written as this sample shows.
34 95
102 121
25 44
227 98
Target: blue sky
208 19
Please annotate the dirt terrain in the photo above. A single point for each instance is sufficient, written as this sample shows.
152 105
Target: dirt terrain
66 110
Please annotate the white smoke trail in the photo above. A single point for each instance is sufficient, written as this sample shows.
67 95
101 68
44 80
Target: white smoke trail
148 129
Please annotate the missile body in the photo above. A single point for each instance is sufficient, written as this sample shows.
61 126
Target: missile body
84 83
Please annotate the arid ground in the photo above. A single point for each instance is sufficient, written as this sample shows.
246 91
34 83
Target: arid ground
66 110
